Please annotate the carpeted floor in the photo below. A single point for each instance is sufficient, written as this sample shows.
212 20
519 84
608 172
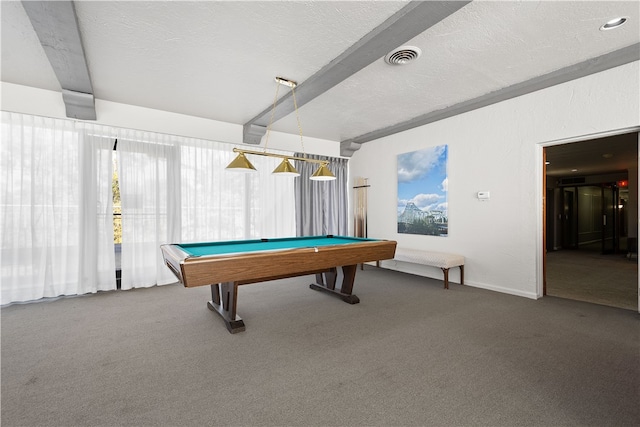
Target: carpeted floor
410 354
587 275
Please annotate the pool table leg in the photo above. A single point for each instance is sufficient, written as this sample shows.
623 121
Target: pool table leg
326 282
224 299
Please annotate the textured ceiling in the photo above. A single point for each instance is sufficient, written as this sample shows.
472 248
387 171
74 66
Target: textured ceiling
218 59
482 48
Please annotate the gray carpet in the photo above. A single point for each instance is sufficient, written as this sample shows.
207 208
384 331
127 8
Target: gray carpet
409 354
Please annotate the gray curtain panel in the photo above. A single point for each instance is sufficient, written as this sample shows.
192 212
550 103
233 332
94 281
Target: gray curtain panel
321 206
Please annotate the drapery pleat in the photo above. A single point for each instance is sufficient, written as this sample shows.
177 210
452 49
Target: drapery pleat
149 166
49 199
96 243
321 206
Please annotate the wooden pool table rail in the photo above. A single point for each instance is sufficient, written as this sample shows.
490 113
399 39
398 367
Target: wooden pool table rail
269 265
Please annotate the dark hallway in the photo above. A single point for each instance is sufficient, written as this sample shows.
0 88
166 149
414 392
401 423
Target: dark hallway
591 221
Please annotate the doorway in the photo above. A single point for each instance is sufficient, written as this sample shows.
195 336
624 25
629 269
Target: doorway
591 222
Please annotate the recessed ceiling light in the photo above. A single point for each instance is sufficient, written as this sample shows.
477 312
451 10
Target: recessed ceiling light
574 170
547 163
607 155
614 23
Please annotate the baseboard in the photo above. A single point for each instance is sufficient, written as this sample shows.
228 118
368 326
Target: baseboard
516 292
425 271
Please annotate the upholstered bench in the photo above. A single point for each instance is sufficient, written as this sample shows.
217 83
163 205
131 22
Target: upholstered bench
443 260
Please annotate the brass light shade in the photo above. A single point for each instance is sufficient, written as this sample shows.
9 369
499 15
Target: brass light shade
241 164
323 174
285 168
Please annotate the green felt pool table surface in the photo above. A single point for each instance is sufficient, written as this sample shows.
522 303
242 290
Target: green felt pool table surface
245 246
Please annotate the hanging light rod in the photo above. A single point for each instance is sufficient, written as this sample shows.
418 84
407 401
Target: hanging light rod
242 164
285 168
281 156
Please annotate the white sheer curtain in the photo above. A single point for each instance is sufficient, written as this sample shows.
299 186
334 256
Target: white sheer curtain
213 199
221 205
96 244
49 199
56 204
149 176
272 201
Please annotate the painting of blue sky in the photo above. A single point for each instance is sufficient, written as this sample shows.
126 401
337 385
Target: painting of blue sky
422 192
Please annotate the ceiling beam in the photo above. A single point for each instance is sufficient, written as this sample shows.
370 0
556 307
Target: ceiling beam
410 21
56 24
563 75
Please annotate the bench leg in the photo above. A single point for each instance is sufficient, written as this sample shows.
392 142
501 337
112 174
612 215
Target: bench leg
446 277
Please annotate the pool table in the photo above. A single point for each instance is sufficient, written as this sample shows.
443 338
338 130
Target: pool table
229 264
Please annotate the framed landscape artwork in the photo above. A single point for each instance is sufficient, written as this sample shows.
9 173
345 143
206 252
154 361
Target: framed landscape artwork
422 192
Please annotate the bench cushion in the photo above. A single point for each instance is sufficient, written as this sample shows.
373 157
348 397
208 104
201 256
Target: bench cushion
435 259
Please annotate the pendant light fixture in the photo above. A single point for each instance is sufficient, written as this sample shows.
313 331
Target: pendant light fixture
285 168
241 164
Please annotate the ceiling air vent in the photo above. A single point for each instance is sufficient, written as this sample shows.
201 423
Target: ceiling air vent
402 55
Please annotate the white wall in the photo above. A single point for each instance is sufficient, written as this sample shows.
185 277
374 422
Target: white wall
498 149
39 102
